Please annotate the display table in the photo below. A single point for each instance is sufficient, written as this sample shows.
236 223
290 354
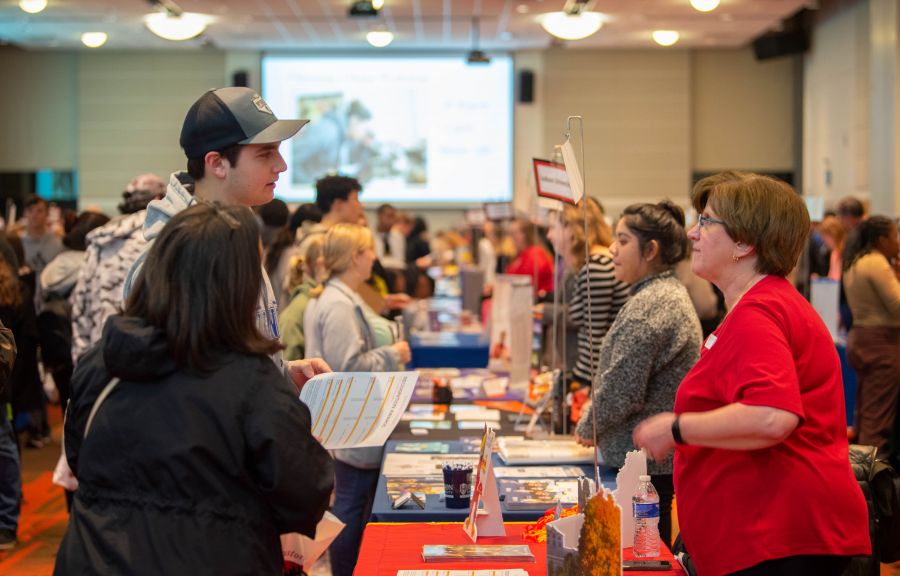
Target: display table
435 509
457 349
387 548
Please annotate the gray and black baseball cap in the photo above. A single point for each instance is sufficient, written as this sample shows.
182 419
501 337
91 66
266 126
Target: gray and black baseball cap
228 116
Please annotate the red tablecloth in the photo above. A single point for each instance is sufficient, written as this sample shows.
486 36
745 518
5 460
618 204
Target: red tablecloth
388 547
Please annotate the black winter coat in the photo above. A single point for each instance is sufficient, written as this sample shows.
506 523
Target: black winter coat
186 474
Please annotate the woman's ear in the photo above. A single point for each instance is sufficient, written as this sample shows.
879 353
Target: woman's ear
742 250
651 250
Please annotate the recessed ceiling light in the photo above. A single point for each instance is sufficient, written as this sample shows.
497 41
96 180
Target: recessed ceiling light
32 6
93 39
380 38
378 4
665 37
705 5
571 26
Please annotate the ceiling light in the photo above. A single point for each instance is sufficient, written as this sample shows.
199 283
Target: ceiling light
181 27
378 4
665 37
380 38
571 26
523 9
32 6
93 39
705 5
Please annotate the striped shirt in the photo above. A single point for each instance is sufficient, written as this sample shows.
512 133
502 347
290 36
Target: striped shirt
606 297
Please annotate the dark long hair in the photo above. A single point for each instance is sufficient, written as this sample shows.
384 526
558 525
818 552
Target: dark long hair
75 239
201 284
663 222
864 238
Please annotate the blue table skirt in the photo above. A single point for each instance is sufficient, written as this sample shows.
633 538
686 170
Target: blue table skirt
436 511
848 375
459 350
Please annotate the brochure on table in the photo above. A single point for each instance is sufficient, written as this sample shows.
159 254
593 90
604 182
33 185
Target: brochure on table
487 522
491 572
357 409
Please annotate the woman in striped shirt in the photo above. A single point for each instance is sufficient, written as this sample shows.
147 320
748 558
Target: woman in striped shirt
593 312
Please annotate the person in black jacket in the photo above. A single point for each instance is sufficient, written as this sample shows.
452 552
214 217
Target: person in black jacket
202 454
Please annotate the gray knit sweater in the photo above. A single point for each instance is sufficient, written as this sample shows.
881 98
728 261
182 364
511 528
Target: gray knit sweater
652 344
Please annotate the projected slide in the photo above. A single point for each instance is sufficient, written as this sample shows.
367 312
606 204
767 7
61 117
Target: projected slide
418 130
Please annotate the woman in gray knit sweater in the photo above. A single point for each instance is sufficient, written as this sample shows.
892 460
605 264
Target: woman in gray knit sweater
653 342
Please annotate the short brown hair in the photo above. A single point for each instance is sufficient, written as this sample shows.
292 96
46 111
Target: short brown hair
760 211
196 167
203 286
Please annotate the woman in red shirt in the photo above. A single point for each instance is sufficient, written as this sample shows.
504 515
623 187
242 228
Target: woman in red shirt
762 477
532 259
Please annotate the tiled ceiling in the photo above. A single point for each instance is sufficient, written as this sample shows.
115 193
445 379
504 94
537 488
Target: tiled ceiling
417 24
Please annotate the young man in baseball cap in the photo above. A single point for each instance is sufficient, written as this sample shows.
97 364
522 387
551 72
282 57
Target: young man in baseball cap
230 137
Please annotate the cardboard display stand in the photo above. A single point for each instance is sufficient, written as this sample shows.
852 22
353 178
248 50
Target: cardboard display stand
487 522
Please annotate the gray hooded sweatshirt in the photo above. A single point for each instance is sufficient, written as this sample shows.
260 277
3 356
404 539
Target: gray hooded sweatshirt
179 196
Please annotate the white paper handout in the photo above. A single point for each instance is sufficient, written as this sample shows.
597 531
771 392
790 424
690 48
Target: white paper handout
303 551
576 184
483 415
357 409
493 572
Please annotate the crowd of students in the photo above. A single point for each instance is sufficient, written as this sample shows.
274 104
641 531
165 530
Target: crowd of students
190 322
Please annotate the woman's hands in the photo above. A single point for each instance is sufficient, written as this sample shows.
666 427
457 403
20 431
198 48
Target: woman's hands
655 435
589 442
301 371
403 351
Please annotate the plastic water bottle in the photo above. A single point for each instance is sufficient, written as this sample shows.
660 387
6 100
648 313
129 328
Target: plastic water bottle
645 508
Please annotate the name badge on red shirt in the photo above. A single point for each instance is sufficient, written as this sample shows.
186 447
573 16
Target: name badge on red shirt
710 342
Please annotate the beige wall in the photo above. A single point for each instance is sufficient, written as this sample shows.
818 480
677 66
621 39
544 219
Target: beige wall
38 106
742 111
636 109
836 110
130 110
651 117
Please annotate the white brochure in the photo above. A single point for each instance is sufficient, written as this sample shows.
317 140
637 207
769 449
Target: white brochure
357 409
495 572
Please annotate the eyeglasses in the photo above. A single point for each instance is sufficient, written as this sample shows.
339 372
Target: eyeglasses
703 221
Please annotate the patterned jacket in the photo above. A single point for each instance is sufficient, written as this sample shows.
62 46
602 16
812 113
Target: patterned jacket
650 347
112 249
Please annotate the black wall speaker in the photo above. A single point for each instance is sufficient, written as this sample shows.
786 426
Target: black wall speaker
777 44
526 86
240 79
792 37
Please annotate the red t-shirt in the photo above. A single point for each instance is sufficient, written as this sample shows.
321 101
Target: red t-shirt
535 262
737 508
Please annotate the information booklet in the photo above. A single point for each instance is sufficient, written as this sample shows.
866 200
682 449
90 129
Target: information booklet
357 409
397 485
538 494
524 452
475 552
491 572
